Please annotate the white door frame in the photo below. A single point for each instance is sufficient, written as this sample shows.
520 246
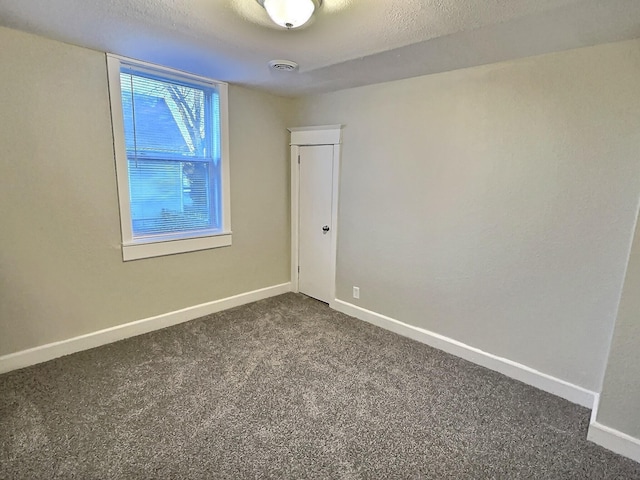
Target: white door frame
309 136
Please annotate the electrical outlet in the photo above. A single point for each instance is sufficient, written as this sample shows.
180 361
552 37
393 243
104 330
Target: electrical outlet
356 292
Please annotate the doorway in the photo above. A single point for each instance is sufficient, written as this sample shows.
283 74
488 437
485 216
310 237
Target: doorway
315 166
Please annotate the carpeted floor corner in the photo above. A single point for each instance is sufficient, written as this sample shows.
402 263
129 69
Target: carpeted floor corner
286 388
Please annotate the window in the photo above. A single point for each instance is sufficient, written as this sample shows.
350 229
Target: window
170 137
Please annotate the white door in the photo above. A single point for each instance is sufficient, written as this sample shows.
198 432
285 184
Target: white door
314 231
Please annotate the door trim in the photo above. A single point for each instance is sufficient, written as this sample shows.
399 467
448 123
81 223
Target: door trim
311 136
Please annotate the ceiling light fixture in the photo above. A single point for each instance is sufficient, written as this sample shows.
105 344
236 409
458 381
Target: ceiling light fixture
290 13
283 65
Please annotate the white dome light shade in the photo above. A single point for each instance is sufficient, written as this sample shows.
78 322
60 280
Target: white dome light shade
289 13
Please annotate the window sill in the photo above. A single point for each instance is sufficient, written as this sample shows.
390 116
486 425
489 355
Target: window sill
149 249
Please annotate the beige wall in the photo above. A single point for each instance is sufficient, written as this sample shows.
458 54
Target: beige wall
494 205
620 399
61 271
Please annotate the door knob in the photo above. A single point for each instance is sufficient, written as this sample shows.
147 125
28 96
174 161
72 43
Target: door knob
325 229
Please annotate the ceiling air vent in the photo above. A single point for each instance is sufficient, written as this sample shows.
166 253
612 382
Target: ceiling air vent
283 65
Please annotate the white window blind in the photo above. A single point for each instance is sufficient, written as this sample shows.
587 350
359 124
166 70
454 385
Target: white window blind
173 148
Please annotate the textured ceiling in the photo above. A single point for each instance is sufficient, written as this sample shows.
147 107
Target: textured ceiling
348 43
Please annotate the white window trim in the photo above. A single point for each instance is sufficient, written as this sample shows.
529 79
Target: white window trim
134 249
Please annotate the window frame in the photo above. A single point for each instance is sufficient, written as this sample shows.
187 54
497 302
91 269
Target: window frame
167 244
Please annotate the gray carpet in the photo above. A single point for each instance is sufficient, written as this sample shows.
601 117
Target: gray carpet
286 388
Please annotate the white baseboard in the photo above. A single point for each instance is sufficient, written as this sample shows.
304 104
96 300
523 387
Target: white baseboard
612 439
530 376
43 353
